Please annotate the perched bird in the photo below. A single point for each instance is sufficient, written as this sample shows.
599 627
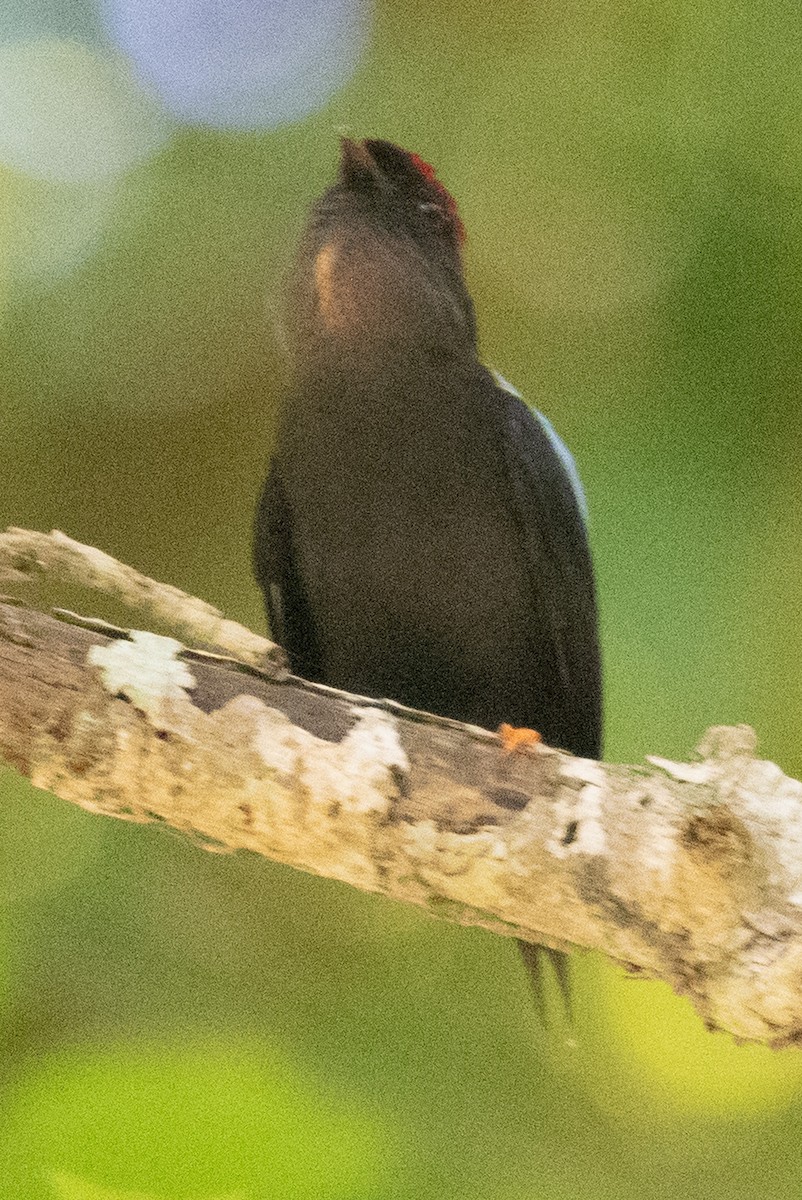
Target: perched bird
421 534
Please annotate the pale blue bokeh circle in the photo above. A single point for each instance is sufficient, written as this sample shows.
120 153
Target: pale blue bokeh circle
249 65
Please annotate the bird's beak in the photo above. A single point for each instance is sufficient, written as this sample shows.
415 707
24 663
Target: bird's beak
357 165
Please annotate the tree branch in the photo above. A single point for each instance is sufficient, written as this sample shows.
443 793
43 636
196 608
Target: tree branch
689 872
28 557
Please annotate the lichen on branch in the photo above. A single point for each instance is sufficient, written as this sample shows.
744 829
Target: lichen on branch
689 872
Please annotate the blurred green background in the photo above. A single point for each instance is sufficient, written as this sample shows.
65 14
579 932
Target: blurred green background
182 1025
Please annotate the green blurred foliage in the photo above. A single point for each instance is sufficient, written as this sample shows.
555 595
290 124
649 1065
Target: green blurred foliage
182 1025
203 1119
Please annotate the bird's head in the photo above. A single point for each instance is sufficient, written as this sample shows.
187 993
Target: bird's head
381 261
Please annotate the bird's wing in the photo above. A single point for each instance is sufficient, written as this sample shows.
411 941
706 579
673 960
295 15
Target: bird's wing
550 510
278 576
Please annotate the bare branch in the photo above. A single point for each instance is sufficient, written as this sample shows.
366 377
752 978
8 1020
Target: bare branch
690 872
26 557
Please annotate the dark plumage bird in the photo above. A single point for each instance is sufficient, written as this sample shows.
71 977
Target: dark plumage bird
421 534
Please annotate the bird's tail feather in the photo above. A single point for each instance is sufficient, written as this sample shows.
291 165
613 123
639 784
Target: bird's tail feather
535 959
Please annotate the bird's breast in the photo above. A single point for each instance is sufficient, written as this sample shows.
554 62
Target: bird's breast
362 292
407 545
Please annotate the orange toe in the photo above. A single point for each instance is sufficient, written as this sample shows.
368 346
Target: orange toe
514 737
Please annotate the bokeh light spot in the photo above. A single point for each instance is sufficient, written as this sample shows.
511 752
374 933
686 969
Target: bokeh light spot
681 1067
251 65
23 20
73 114
54 227
202 1120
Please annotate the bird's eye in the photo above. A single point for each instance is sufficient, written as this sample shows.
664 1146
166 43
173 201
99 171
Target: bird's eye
441 219
435 215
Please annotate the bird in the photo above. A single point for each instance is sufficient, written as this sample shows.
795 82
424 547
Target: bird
422 533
